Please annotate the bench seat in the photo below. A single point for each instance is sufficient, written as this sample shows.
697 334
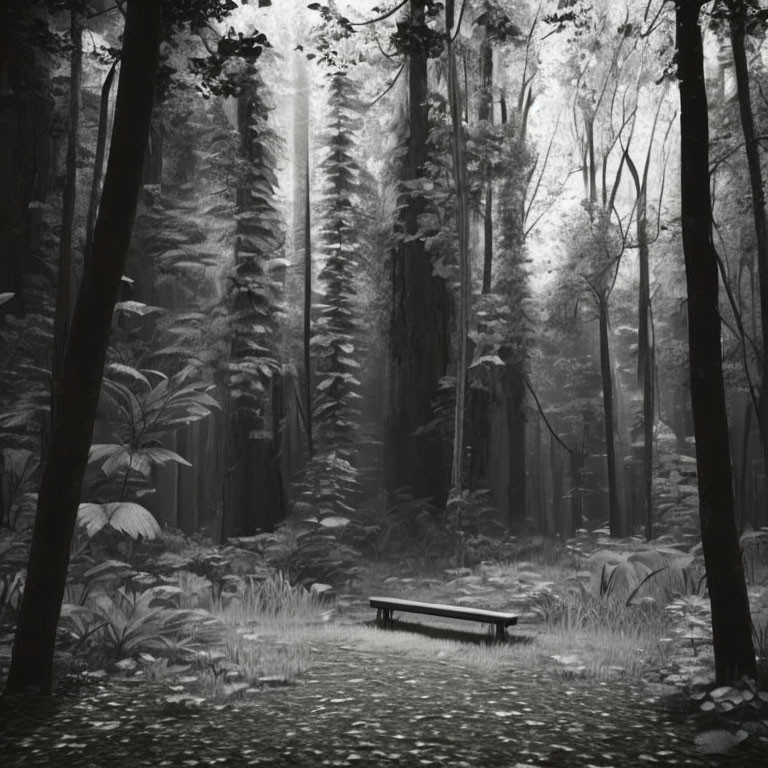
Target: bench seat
387 605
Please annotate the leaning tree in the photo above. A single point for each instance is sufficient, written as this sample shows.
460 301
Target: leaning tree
731 623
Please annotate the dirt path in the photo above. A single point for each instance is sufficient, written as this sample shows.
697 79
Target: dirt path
358 708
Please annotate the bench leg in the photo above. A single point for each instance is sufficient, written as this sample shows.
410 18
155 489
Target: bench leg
501 633
383 615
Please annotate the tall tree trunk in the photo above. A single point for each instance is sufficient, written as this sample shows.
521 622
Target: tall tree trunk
731 623
752 149
255 492
462 228
64 288
645 356
485 112
303 226
420 340
59 497
307 322
645 352
614 506
575 468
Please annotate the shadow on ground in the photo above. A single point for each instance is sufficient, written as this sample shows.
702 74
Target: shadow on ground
447 633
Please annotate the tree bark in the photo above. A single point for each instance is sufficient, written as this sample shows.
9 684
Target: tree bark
419 339
752 149
64 288
465 278
615 519
645 352
731 623
485 112
303 228
59 497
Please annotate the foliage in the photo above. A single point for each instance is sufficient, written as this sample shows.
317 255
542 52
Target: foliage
309 550
140 415
122 516
221 72
252 288
415 529
327 485
336 331
25 377
17 472
125 623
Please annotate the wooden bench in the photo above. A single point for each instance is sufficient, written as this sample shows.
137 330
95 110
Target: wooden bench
385 606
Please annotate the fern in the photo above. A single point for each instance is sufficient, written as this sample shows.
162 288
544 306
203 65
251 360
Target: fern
337 329
253 294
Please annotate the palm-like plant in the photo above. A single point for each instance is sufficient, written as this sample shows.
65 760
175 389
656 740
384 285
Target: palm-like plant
127 622
142 414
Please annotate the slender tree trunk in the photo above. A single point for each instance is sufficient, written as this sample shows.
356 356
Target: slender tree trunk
302 228
307 328
59 497
485 112
741 496
462 227
731 623
648 419
592 166
98 162
645 356
576 464
752 149
614 507
64 289
645 352
556 470
420 341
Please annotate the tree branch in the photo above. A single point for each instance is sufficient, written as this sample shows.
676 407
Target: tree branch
544 417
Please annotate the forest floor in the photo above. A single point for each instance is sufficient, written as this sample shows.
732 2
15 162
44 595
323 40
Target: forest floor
426 692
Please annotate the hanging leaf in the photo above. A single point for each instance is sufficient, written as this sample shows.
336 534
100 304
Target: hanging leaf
101 451
119 369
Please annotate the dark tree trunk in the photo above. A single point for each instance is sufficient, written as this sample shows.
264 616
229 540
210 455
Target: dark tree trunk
752 149
645 351
614 507
25 129
59 497
645 357
419 341
254 497
303 227
731 624
515 392
64 288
